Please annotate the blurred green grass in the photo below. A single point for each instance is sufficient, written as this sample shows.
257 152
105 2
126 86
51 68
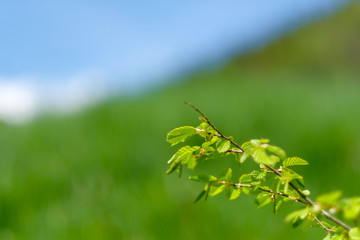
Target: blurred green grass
100 173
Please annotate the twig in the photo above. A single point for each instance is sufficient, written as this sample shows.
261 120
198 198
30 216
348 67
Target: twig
310 202
208 122
302 195
323 226
240 185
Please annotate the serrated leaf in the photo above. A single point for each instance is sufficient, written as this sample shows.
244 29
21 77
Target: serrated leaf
262 200
215 190
234 193
180 134
247 145
294 161
245 178
354 233
291 175
277 151
223 145
258 174
261 157
203 178
182 152
183 155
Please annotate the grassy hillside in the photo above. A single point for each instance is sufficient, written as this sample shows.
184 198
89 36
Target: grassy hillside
99 174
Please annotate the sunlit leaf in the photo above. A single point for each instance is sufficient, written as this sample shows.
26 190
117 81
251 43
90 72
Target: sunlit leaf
245 178
260 156
203 178
262 200
293 161
216 190
354 234
277 151
234 193
223 145
180 134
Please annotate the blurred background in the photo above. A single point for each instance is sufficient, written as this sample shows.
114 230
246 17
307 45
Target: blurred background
89 90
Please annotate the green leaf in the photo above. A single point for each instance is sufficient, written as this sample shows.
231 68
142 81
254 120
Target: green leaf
291 175
247 145
216 190
245 178
329 198
203 178
243 157
223 145
213 140
234 193
182 153
262 200
258 142
277 151
190 161
180 169
334 236
298 214
173 167
354 234
202 193
228 175
180 134
260 156
258 174
206 127
293 161
277 205
351 208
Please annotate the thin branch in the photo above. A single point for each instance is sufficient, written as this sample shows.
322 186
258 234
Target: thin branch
323 226
208 122
310 202
302 195
240 185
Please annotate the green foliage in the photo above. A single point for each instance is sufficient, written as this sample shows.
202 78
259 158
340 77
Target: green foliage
354 233
293 161
180 134
273 182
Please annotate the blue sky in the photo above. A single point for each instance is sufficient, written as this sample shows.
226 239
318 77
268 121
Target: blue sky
60 49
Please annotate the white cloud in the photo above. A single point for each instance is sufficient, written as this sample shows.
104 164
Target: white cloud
21 98
18 101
